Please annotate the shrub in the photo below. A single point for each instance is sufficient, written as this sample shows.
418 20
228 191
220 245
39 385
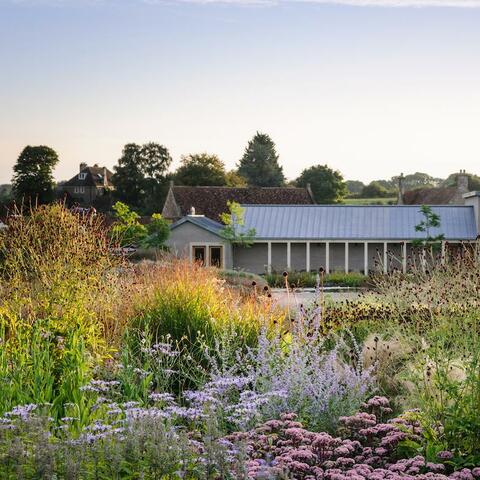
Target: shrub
57 283
312 279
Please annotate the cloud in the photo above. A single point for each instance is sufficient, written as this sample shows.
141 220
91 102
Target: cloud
355 3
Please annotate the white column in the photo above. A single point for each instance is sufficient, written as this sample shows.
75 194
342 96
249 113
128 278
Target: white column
404 258
269 257
289 256
365 258
327 257
443 259
385 264
307 257
346 257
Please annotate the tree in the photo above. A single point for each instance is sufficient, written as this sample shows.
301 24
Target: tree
158 231
327 185
374 190
234 179
430 220
418 180
201 169
33 175
127 228
354 187
140 175
259 164
234 223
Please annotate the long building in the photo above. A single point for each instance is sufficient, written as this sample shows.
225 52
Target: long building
335 237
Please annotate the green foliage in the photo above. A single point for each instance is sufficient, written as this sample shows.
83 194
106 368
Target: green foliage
234 223
430 220
201 169
375 190
259 164
327 185
56 273
311 279
33 175
234 179
140 176
158 231
354 187
127 229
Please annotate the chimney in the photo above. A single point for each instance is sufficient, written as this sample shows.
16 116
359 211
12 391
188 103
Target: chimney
83 166
192 211
401 189
462 182
105 178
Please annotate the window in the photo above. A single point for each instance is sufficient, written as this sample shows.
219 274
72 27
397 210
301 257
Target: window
82 176
199 255
214 258
79 190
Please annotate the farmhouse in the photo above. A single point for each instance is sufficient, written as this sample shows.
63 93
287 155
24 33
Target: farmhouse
88 184
335 237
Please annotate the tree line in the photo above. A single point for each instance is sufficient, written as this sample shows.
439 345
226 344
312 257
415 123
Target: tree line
142 175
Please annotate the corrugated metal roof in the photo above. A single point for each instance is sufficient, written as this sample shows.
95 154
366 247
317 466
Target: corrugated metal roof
201 221
351 222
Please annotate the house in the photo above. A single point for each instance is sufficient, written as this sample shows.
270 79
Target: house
212 201
435 196
88 184
336 237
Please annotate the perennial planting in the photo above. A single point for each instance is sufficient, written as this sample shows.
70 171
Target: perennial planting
110 370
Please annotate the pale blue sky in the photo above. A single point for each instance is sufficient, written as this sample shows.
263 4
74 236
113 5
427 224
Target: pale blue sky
369 90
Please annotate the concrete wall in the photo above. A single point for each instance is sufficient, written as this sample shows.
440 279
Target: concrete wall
317 256
298 257
356 257
375 257
183 237
337 257
253 259
279 257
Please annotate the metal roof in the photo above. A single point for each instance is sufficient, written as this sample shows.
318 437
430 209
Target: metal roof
352 222
201 221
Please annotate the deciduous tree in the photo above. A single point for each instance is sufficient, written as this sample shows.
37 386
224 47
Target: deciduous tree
33 175
201 169
327 184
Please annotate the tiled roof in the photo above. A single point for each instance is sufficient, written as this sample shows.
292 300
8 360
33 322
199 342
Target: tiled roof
93 178
212 201
355 223
433 196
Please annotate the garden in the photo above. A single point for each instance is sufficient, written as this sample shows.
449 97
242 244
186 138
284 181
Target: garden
161 370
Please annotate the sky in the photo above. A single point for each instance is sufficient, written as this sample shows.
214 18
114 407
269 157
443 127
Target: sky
372 88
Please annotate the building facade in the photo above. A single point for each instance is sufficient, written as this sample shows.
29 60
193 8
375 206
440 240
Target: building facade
344 238
88 184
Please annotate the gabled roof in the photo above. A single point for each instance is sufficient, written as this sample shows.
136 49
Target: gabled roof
212 201
433 196
93 178
200 221
355 223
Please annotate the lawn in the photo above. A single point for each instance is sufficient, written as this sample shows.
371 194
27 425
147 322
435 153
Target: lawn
112 370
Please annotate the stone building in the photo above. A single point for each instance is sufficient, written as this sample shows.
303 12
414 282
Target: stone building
88 184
